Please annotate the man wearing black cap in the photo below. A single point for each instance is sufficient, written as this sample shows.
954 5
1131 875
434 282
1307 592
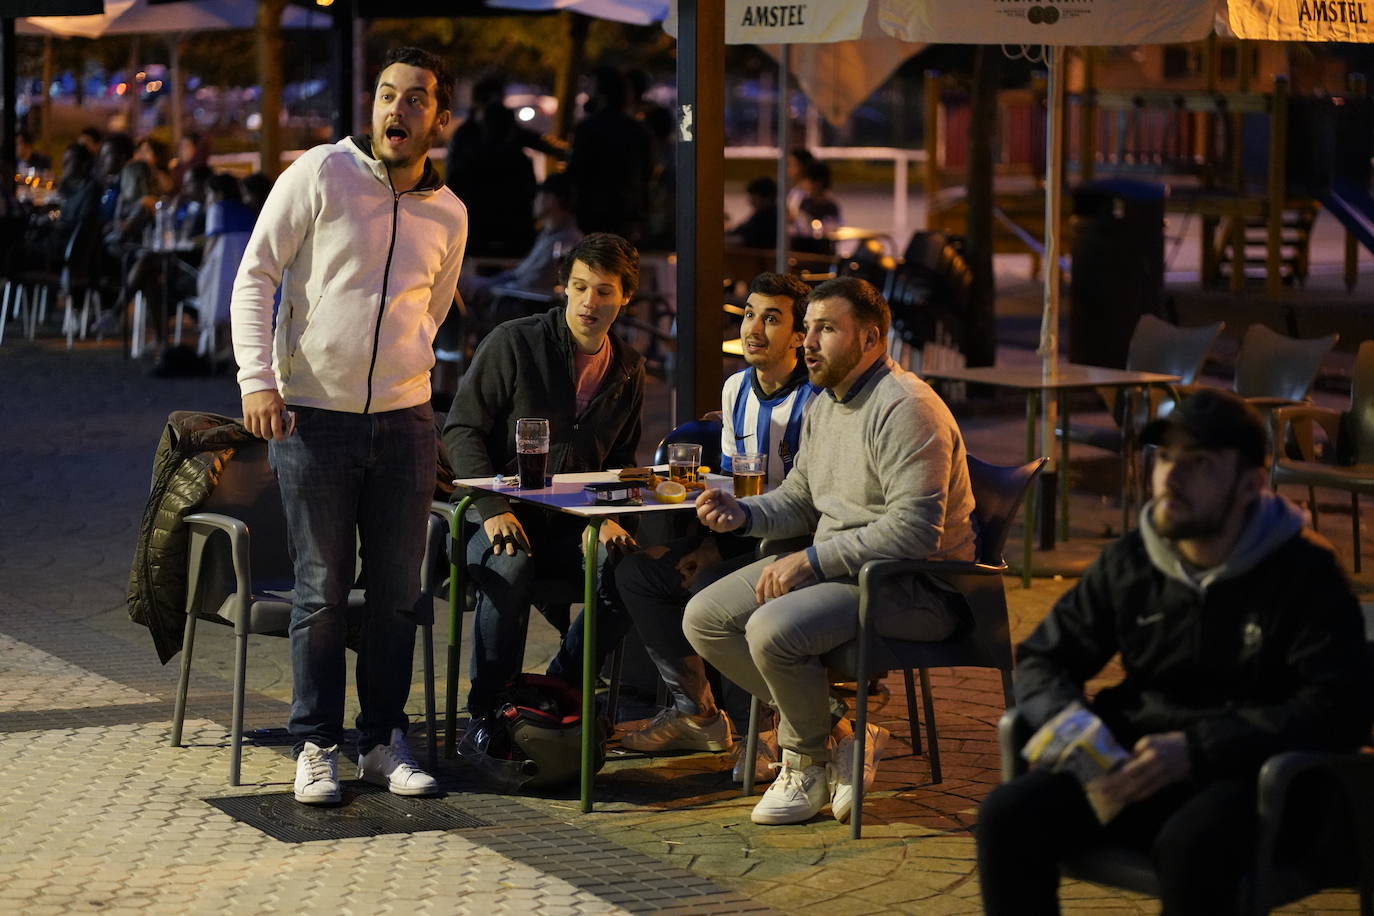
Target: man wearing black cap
1239 637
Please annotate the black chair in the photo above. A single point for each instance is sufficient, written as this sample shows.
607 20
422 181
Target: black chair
239 574
1348 462
983 641
1344 783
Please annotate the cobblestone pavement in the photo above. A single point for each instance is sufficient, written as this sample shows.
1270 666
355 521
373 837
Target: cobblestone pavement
102 814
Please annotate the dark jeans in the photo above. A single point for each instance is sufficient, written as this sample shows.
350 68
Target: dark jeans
372 474
1201 841
508 585
654 598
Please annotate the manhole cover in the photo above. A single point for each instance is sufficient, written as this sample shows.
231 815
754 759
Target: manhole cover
366 810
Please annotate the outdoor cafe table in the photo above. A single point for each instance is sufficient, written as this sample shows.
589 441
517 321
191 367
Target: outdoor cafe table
1070 376
566 496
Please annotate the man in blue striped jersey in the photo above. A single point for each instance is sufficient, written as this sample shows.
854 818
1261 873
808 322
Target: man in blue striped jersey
762 409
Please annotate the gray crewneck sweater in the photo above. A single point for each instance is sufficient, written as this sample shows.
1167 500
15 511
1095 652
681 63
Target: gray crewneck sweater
881 475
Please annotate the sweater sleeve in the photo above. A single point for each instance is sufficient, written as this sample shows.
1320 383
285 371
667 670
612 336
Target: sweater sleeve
486 388
913 450
446 280
287 219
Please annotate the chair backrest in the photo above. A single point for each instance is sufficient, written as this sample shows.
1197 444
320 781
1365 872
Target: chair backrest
247 490
1271 365
1157 346
997 494
705 433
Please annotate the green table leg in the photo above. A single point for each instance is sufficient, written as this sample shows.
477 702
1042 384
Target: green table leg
455 627
1032 409
589 614
1064 465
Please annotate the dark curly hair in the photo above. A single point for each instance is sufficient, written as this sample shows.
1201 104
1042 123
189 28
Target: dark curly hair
605 253
418 57
770 284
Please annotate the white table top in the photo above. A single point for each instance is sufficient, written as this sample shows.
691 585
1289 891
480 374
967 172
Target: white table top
566 493
1070 375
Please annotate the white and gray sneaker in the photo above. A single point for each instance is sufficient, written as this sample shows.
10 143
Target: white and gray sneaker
317 775
765 761
840 773
671 730
392 765
797 795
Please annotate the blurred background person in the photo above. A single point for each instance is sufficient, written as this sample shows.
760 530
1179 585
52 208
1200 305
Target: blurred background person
760 228
799 159
818 214
27 156
91 137
611 162
153 153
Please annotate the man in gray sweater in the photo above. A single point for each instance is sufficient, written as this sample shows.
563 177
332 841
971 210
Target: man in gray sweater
881 473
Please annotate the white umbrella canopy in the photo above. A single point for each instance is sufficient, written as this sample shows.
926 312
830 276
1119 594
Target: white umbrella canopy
138 17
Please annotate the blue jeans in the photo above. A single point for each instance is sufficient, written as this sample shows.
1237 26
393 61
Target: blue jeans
508 585
372 474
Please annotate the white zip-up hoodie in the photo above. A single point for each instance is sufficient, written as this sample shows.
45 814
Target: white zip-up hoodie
367 276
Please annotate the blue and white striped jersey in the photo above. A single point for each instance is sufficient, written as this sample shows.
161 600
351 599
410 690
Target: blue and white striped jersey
771 425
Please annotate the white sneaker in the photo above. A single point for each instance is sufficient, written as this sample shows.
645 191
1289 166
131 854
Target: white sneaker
840 773
317 775
392 765
765 761
797 795
670 730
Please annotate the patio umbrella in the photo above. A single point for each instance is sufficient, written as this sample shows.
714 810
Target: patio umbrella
138 17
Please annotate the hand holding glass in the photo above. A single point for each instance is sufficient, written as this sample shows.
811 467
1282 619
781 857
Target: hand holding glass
532 451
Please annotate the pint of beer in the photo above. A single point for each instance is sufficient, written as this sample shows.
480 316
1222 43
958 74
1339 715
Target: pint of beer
683 460
532 451
749 471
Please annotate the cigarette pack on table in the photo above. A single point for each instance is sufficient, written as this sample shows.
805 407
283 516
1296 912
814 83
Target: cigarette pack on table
614 493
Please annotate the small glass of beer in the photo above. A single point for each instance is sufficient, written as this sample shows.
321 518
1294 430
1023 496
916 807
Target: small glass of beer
532 451
683 460
749 470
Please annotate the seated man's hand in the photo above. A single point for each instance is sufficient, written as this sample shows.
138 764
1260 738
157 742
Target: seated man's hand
784 575
506 534
617 540
263 414
1157 761
719 510
690 566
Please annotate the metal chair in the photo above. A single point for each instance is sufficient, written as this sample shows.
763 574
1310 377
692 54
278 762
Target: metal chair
983 641
704 432
239 574
1348 459
1348 783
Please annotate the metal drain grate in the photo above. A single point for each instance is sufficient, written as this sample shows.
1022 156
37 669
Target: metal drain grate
366 811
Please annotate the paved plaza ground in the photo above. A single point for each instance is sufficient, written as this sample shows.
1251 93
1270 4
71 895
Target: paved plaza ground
100 813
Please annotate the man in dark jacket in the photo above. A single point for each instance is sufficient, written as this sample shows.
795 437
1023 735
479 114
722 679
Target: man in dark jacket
1240 638
566 367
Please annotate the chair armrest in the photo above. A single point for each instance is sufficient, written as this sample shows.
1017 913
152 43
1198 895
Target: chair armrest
201 525
875 572
1283 418
1013 731
1352 772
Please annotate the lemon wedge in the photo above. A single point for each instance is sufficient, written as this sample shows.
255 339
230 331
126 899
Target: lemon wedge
670 491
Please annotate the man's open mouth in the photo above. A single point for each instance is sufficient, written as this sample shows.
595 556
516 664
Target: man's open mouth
395 132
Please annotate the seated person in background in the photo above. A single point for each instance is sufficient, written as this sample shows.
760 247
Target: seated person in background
80 195
799 159
27 156
115 152
188 210
818 214
762 408
563 365
1240 638
760 228
881 473
538 271
256 187
228 225
153 152
91 138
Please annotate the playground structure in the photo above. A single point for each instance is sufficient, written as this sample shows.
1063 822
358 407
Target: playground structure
1254 167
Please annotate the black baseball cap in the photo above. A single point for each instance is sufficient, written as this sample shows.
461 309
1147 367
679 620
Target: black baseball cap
1216 419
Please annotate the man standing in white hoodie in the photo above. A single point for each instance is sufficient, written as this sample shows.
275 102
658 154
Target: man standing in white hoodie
365 242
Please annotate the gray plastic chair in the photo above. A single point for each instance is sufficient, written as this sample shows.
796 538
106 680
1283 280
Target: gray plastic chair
239 574
1272 370
1348 462
1275 880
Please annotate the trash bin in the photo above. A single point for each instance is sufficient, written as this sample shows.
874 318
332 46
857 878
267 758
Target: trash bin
1118 267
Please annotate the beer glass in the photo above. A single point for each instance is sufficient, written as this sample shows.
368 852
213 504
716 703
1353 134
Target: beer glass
532 451
749 470
683 460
